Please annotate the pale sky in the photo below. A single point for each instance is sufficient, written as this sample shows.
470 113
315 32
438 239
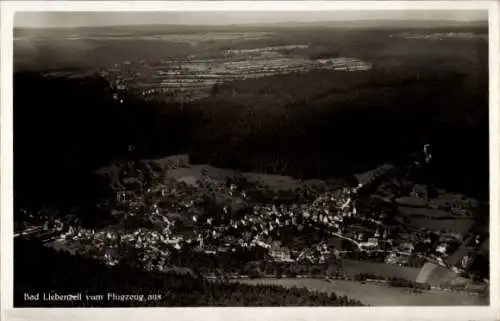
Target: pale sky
83 19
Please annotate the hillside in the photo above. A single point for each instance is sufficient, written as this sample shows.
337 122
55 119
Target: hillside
62 273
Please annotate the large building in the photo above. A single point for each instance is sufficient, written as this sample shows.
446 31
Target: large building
279 253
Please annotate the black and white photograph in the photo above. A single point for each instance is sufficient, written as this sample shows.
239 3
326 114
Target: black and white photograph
265 158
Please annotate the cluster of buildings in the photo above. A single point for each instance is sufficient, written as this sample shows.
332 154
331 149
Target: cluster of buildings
175 209
152 246
221 231
267 226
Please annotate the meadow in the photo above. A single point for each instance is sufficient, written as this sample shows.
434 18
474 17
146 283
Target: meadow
375 294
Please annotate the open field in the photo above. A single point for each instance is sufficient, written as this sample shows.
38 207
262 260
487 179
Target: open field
274 182
194 77
376 294
430 213
456 226
353 267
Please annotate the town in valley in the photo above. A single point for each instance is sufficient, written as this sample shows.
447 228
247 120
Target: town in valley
286 164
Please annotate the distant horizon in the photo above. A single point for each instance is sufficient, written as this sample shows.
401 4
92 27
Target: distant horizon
69 20
242 24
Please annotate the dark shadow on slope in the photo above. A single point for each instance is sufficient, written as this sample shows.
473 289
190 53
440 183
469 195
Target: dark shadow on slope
64 129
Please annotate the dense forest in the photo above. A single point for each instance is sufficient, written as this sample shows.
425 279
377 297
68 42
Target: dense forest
317 124
64 129
62 273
